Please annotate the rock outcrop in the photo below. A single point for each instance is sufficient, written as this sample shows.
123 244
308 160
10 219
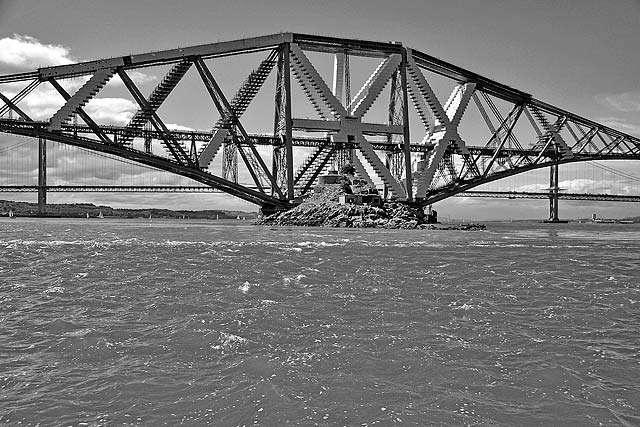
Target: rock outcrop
322 210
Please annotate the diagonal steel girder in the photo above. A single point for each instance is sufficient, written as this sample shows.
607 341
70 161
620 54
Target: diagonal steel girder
506 128
503 133
224 107
239 104
320 166
551 136
447 133
156 99
551 131
9 103
176 149
20 96
347 121
87 119
81 97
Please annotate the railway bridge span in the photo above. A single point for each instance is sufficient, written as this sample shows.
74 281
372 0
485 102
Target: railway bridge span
398 130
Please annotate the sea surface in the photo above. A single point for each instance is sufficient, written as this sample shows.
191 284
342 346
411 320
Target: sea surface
138 322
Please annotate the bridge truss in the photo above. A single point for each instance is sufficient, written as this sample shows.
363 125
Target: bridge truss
523 133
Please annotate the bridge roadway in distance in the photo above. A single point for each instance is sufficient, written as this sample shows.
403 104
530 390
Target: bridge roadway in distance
204 189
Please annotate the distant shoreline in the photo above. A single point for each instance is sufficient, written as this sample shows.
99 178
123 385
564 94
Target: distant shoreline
81 210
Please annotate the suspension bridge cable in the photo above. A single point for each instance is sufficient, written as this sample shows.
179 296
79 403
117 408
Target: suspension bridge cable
117 159
616 171
17 145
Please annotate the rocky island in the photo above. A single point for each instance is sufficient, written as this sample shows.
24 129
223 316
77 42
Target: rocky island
331 205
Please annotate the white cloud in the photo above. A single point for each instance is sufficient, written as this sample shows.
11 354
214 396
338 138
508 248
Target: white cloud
138 77
621 124
533 188
578 185
44 101
624 102
111 110
174 126
582 185
26 53
23 52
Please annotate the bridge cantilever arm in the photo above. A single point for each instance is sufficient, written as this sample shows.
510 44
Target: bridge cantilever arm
15 108
581 120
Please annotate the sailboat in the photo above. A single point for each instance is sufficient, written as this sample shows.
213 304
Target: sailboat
87 215
100 215
11 214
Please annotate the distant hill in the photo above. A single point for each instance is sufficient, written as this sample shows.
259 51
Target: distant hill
80 210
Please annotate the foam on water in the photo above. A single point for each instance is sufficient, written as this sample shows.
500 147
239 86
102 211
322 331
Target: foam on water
137 323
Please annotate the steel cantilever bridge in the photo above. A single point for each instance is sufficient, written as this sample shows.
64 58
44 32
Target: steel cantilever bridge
523 133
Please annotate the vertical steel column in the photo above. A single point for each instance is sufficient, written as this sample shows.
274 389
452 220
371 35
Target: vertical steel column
405 126
287 117
388 158
42 176
276 158
553 193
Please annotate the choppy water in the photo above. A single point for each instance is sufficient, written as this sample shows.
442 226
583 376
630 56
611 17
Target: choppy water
164 323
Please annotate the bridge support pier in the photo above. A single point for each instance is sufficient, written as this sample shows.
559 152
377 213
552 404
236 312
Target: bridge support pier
42 176
553 195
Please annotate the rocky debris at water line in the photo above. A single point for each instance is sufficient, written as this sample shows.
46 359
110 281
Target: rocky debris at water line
323 210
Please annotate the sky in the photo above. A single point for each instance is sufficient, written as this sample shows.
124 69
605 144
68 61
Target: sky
580 55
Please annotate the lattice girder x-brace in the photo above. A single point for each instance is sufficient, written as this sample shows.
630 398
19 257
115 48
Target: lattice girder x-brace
434 116
549 132
449 117
225 109
11 104
239 104
347 125
175 148
501 135
156 98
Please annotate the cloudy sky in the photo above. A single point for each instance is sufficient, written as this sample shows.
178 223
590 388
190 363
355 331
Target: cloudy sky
581 55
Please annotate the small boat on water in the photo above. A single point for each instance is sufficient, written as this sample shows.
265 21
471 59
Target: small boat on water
11 214
100 215
87 215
